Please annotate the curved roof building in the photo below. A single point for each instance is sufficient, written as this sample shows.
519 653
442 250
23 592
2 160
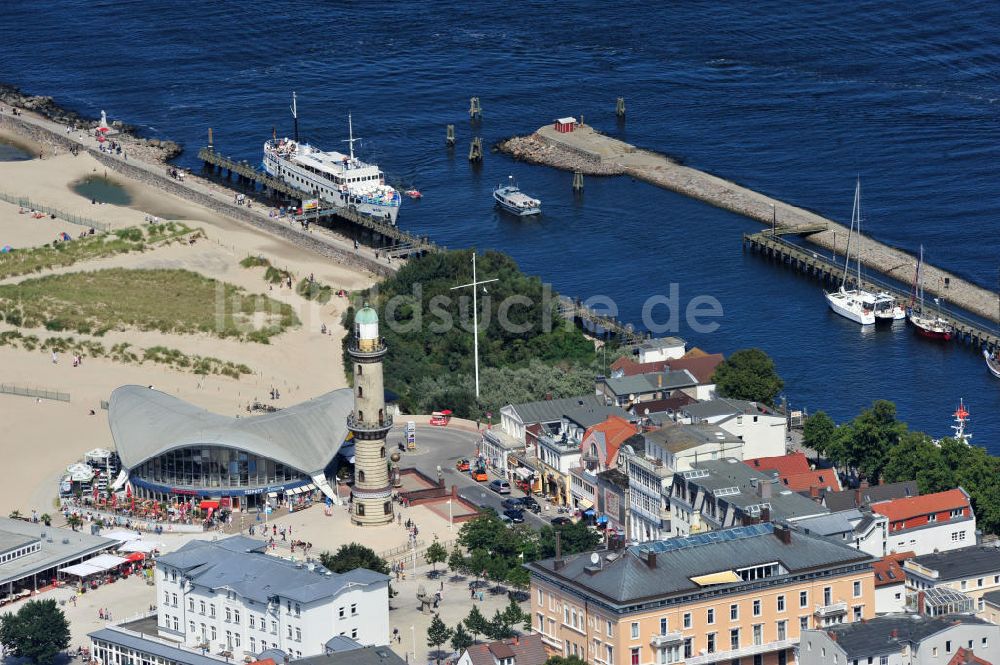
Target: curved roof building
170 447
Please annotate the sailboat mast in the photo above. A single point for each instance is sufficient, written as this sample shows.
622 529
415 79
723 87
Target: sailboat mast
857 197
847 250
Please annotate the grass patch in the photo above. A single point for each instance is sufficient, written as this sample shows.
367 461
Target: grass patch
313 290
98 246
126 353
255 262
277 275
169 301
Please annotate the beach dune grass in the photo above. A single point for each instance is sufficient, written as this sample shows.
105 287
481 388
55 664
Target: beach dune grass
165 300
101 245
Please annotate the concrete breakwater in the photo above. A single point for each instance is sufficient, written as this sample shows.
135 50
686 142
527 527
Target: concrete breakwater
593 153
54 137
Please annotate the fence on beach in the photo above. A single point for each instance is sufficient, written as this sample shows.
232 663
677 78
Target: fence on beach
41 393
79 220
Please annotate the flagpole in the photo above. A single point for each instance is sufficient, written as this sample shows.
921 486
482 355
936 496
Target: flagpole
475 283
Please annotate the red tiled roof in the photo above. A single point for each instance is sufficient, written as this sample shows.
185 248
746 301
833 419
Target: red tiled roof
964 655
902 509
825 479
783 464
616 431
889 570
702 367
526 650
629 367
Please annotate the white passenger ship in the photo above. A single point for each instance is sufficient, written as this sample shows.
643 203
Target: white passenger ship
338 180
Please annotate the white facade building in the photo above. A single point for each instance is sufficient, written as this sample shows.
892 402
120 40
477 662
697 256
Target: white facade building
228 595
663 348
763 431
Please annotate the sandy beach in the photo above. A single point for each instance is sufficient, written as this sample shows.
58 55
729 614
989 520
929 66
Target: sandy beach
43 437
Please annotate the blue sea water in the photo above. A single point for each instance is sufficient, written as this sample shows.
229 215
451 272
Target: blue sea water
792 99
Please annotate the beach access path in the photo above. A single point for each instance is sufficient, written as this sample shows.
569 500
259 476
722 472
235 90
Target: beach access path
202 191
592 153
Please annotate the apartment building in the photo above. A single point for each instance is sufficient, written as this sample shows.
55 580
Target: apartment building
229 595
929 523
762 430
742 593
861 529
903 640
968 573
725 493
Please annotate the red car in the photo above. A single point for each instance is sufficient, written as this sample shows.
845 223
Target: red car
462 465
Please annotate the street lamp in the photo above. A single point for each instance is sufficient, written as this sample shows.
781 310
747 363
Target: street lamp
450 518
475 314
413 634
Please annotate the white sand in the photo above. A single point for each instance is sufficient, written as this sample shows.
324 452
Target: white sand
41 438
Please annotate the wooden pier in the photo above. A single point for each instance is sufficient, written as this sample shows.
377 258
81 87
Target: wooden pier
397 242
965 330
575 310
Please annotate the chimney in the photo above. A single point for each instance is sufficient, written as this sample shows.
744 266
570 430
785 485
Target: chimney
765 514
813 492
651 558
764 489
784 533
894 634
832 635
921 602
659 380
558 563
857 496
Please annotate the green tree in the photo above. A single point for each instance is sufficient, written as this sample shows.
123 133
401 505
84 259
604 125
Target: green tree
748 374
436 553
518 578
352 556
74 521
498 628
819 432
565 660
872 434
46 519
575 538
460 639
39 631
513 615
438 634
456 560
476 622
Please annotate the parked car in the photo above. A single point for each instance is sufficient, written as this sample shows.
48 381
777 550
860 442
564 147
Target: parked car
512 503
508 522
514 515
529 503
561 521
462 464
500 486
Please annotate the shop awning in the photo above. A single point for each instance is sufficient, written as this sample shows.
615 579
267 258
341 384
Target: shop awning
81 570
206 504
106 561
143 546
584 504
121 535
135 556
524 474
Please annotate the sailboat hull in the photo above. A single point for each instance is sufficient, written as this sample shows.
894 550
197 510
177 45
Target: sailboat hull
842 303
992 364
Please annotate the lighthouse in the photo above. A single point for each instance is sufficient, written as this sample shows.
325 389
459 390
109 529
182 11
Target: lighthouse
371 497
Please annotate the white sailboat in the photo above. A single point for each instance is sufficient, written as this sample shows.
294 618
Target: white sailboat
854 304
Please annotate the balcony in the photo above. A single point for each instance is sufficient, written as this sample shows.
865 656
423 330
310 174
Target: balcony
831 610
752 650
385 424
659 640
378 349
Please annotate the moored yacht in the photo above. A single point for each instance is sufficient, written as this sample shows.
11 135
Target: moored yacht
855 304
927 323
513 200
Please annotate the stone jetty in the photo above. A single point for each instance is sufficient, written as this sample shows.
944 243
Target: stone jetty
587 150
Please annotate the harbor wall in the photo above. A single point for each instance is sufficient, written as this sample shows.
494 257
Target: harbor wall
575 151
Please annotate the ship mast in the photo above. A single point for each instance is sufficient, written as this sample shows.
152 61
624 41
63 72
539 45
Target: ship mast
295 116
350 133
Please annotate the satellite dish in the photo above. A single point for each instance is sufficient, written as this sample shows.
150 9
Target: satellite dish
595 558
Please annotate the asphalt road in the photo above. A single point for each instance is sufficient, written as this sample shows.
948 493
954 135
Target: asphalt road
442 447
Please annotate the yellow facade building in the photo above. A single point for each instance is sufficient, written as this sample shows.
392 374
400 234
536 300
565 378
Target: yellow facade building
740 595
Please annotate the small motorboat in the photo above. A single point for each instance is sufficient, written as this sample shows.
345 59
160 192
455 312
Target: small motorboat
510 198
992 363
414 194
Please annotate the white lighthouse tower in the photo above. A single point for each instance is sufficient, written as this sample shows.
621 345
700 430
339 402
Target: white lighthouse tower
372 494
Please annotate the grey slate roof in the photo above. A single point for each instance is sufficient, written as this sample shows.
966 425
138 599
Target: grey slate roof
713 408
239 563
874 637
725 473
831 524
590 415
552 410
363 656
146 423
678 437
660 343
992 597
628 578
340 643
647 383
961 563
150 645
51 555
845 499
